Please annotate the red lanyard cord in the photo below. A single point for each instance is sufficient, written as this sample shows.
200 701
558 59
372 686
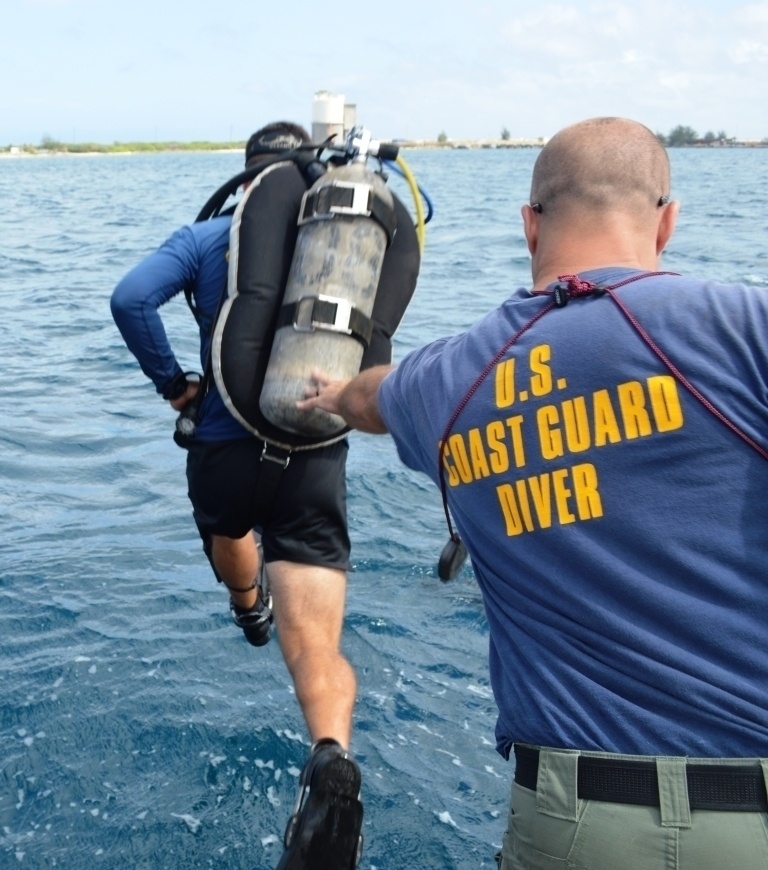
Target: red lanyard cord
679 376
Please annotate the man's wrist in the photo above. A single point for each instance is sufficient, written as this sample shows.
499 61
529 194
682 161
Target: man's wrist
177 387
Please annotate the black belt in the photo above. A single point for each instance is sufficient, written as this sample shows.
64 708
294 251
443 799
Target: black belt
710 786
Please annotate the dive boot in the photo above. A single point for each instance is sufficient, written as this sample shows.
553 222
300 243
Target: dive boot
256 623
324 831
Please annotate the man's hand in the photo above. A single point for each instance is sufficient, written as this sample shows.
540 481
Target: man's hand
323 393
355 401
186 397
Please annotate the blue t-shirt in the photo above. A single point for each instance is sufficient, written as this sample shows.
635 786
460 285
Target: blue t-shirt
196 257
616 527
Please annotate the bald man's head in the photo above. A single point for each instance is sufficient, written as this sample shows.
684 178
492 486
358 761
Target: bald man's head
601 165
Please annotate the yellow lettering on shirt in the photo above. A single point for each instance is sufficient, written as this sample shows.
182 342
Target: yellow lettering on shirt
633 411
515 426
589 505
460 458
477 455
505 383
550 438
527 505
499 458
665 403
562 495
541 373
606 429
574 425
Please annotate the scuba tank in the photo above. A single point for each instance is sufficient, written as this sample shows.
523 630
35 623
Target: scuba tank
346 223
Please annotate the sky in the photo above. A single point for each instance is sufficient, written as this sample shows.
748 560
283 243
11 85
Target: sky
158 70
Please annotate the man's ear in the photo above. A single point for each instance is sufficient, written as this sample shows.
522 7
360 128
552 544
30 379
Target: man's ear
667 223
530 228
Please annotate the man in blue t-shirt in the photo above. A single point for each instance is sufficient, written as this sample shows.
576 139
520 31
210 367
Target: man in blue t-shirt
602 442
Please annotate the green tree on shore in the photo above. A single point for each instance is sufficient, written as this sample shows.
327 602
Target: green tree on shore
48 143
681 136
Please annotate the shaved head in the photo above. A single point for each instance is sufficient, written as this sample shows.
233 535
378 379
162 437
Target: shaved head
601 165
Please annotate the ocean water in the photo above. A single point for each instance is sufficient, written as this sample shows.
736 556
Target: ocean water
137 727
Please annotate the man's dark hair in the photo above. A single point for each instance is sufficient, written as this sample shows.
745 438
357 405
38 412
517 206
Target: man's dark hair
274 138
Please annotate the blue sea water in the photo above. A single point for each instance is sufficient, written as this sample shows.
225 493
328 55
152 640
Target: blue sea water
137 728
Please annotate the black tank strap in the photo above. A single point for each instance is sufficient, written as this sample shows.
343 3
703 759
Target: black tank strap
327 312
348 198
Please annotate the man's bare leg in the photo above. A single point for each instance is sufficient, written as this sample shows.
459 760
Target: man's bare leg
237 562
308 604
325 829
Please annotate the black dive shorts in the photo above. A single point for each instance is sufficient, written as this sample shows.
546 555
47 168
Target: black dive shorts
304 520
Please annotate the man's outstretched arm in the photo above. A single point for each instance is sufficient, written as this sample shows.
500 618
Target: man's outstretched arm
355 400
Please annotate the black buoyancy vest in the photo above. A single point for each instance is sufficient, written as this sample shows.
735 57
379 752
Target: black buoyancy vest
262 241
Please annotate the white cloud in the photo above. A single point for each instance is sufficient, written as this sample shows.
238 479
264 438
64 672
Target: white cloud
748 52
755 13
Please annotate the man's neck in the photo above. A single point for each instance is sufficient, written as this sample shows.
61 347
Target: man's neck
572 254
546 276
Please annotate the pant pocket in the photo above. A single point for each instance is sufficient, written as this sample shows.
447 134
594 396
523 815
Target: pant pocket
535 841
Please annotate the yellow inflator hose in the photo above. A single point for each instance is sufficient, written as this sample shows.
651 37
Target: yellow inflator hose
414 187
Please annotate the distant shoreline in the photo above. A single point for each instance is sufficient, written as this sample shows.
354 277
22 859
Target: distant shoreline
94 149
97 150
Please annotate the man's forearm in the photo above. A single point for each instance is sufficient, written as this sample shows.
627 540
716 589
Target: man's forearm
358 401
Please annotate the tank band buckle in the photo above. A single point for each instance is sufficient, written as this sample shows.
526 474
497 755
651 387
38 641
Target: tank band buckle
349 198
339 309
331 313
338 197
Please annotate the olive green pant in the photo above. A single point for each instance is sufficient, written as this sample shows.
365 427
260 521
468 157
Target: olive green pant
552 829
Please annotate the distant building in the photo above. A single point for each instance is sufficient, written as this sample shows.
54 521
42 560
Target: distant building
331 116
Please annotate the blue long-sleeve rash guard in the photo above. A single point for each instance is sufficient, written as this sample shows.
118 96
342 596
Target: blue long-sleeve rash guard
194 256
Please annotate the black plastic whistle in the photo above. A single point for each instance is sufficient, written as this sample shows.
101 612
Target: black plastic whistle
454 555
